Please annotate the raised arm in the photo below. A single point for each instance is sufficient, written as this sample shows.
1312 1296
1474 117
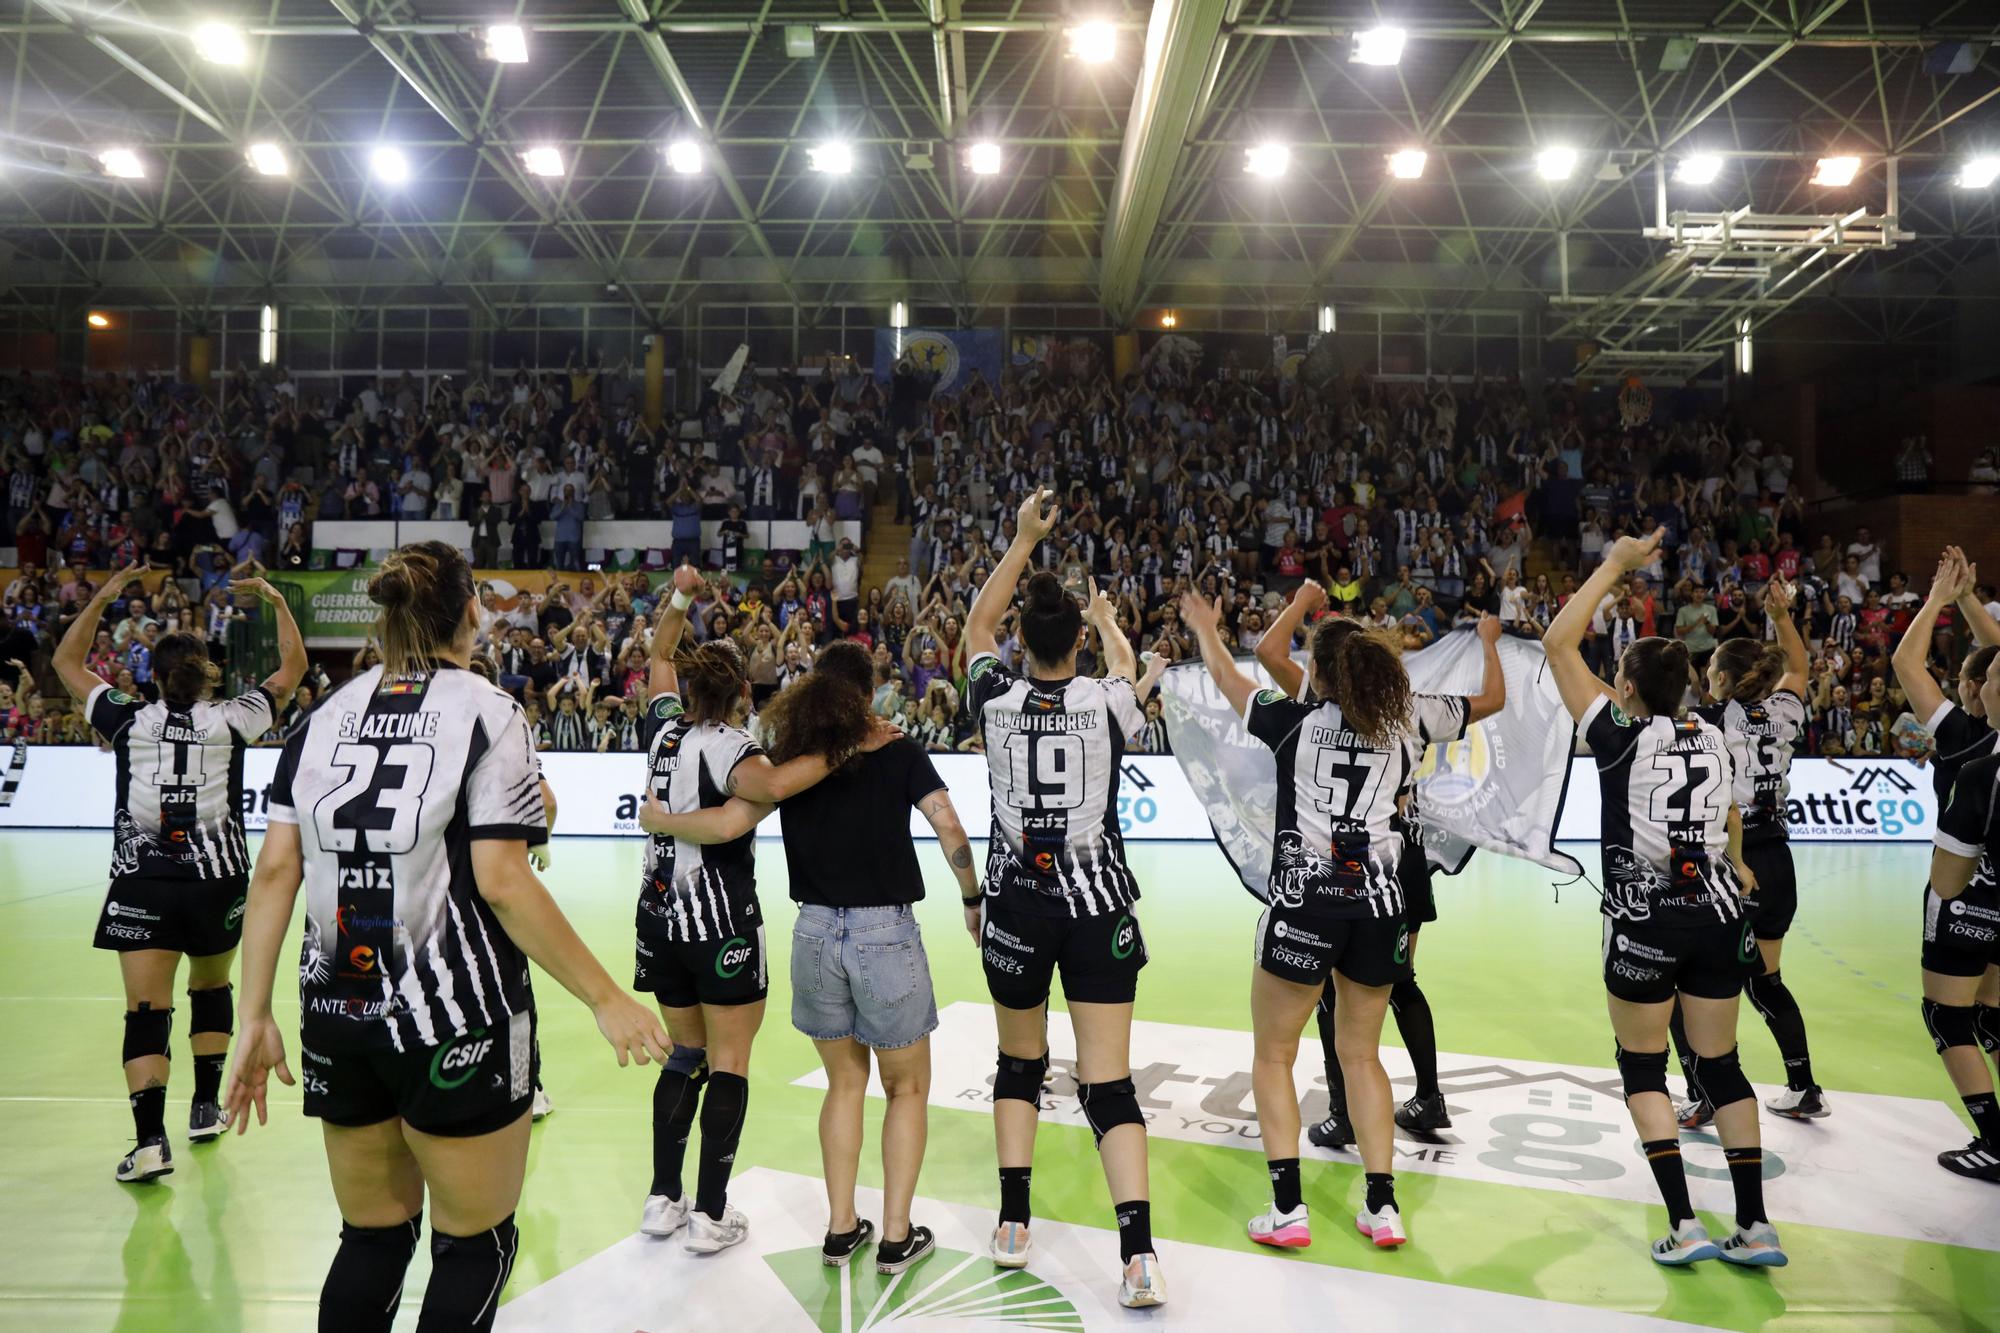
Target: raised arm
1102 616
1578 685
1985 630
1205 619
78 679
1157 663
667 631
291 645
1492 696
1911 654
1031 524
1778 606
1274 650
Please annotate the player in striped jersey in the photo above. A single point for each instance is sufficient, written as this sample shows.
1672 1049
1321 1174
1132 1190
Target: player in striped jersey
1058 895
406 806
1336 908
179 865
700 948
1674 921
1961 905
1761 713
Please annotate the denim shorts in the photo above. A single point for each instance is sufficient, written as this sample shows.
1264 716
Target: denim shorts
861 972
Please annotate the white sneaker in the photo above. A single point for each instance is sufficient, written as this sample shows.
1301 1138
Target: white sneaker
663 1216
1010 1244
206 1121
1684 1245
1755 1245
1289 1231
147 1161
1800 1104
1142 1286
1383 1226
706 1235
541 1106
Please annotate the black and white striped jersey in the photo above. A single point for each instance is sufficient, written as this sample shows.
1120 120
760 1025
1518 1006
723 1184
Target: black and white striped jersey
1665 785
1760 737
391 780
1053 750
1969 826
1959 738
178 805
1336 836
688 891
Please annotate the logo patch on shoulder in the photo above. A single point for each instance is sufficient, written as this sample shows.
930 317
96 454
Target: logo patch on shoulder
666 707
1619 716
1268 696
981 667
120 697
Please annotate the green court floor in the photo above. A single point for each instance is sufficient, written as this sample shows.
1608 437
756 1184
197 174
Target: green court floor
1536 1193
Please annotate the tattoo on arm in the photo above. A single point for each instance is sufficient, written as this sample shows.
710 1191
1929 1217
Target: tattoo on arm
962 858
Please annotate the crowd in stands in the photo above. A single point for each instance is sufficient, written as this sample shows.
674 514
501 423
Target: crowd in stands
1418 507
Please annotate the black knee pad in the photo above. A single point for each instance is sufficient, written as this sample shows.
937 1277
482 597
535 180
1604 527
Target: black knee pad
1770 996
1020 1080
364 1284
1643 1071
1722 1080
1986 1022
1950 1024
212 1010
690 1061
148 1031
467 1274
1109 1105
1405 992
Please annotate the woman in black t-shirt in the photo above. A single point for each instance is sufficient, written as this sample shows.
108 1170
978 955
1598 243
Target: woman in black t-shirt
861 984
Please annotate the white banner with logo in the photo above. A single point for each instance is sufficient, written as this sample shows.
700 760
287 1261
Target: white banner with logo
1848 800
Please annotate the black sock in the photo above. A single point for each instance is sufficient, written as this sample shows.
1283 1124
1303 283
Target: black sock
149 1113
364 1284
675 1099
1014 1193
467 1275
1336 1085
1746 1173
1678 1027
1773 999
1985 1115
1135 1228
1420 1039
1986 1022
1664 1156
722 1109
1381 1190
1284 1183
208 1077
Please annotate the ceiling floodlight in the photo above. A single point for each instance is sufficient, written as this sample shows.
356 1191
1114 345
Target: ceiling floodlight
543 160
267 334
1326 319
1836 171
983 158
831 159
268 159
122 163
389 165
97 320
1168 319
1378 46
1408 165
1702 169
507 44
1093 43
1555 164
1269 160
220 44
1979 173
684 157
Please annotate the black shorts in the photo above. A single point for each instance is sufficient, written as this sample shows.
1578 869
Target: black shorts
1962 935
199 917
1413 872
1099 956
462 1087
1776 901
683 973
1367 950
1645 962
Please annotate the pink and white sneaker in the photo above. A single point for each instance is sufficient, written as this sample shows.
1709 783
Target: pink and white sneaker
1384 1226
1288 1231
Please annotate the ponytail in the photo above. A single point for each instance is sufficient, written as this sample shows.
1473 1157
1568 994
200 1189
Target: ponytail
1050 620
1750 670
422 589
712 679
181 665
1657 669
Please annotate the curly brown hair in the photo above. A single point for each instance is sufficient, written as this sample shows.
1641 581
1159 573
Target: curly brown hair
824 711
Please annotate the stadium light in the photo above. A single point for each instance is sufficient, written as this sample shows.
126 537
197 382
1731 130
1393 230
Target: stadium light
389 165
1836 171
220 44
267 334
1408 164
1378 46
1743 345
1168 319
684 157
1701 169
268 159
97 320
507 44
899 319
831 159
1326 319
1269 160
983 158
1979 173
1555 164
1093 43
543 160
122 163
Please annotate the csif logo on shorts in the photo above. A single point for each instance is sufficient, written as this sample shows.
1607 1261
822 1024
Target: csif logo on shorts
1402 945
1124 937
456 1062
233 915
733 955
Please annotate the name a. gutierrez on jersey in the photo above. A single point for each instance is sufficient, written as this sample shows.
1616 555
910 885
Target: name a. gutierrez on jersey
1053 722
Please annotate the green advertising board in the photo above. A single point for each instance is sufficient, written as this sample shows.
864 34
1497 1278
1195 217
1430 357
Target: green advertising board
331 606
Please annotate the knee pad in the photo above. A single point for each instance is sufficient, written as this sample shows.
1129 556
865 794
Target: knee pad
1020 1080
1109 1105
1405 993
1643 1071
467 1274
689 1061
364 1284
1722 1080
212 1010
1986 1022
1769 995
1951 1024
148 1031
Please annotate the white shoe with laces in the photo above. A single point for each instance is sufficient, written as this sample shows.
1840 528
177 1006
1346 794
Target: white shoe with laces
706 1235
1755 1246
1800 1104
1010 1245
541 1106
663 1216
1142 1287
147 1161
1383 1225
1685 1245
1289 1231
